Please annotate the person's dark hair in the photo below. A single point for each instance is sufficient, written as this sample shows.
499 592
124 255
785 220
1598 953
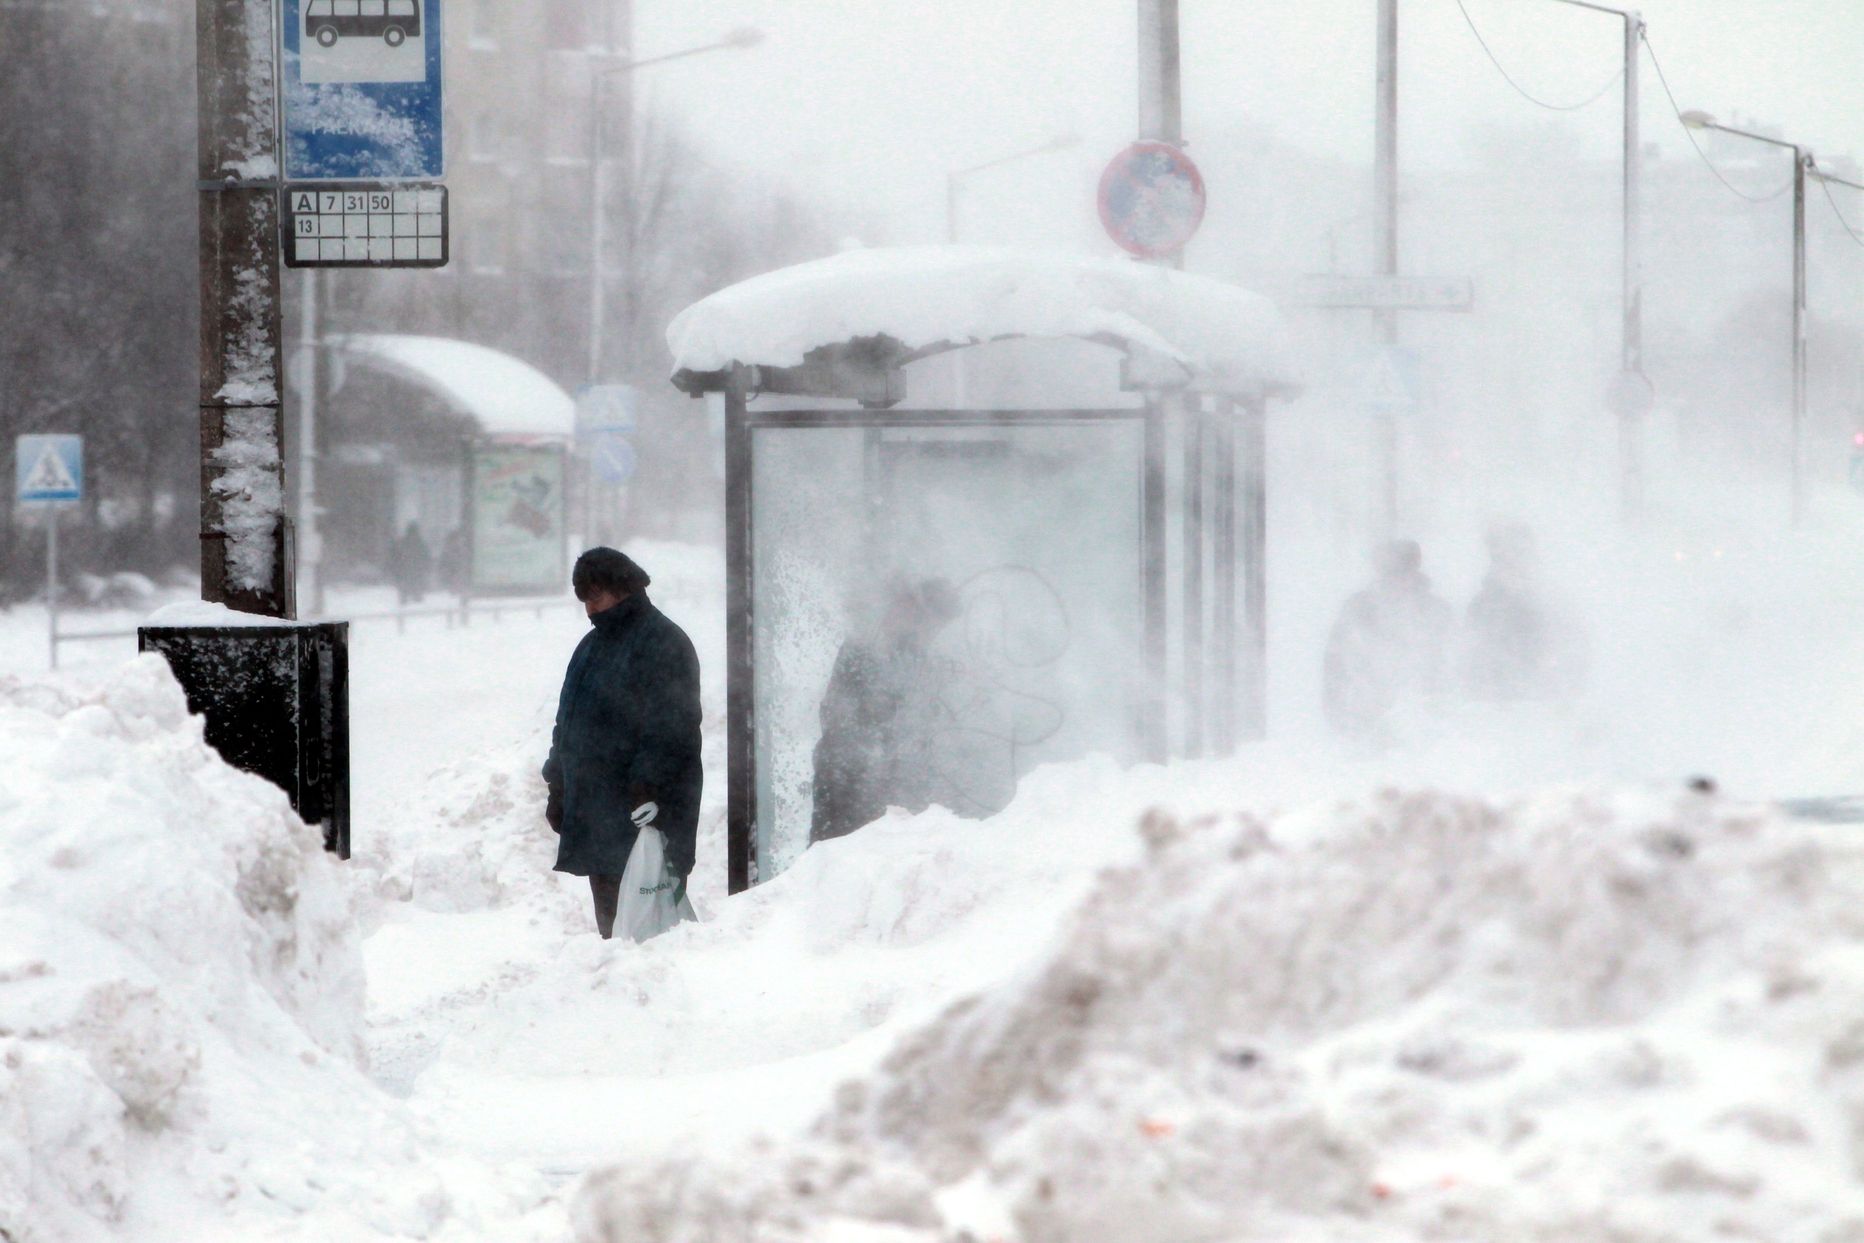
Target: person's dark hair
607 570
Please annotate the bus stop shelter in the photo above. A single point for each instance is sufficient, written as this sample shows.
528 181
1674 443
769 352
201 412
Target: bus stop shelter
1067 451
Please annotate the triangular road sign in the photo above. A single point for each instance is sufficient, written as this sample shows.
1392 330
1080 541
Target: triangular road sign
1390 379
50 474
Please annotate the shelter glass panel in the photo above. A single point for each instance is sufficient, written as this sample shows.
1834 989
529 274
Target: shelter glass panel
937 610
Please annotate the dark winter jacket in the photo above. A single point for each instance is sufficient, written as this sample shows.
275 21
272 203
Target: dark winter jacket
627 733
877 724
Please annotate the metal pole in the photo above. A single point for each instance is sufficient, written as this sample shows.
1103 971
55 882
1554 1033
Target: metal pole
1194 540
1161 118
1152 504
1160 114
310 539
740 637
242 427
597 294
1801 158
1255 567
1632 361
1385 229
1223 448
51 580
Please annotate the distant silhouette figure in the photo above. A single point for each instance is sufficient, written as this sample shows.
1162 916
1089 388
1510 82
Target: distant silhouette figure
1389 645
411 565
452 568
1516 646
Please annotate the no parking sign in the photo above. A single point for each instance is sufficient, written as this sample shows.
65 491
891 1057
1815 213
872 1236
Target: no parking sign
1151 199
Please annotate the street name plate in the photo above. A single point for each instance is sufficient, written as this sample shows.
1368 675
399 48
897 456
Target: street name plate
365 225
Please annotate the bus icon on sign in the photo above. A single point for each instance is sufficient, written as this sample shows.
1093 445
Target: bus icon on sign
391 21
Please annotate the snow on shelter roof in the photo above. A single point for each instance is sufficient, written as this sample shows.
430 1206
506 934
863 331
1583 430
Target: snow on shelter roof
925 299
506 396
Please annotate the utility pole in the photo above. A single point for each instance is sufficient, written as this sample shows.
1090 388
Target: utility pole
244 544
1161 119
1804 165
1631 360
1385 230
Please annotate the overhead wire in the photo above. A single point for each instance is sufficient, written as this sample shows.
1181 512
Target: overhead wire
1523 91
1690 134
1856 235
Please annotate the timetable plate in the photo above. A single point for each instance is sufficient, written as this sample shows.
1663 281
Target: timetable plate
365 225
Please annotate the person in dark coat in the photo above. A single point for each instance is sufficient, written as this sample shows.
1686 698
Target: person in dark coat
879 714
411 565
625 754
1389 646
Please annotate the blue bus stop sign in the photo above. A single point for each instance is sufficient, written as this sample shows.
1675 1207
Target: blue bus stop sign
361 97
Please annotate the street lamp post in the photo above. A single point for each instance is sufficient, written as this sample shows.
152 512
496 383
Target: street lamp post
1631 393
745 37
1802 161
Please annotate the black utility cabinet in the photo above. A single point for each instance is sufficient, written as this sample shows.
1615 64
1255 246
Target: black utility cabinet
276 699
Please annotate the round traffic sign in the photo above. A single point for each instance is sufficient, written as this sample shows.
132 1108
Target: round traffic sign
1151 199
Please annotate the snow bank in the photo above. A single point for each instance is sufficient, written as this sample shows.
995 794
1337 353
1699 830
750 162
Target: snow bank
924 296
181 991
1581 1015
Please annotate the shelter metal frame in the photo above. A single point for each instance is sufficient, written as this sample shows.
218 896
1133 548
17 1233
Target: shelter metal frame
1224 464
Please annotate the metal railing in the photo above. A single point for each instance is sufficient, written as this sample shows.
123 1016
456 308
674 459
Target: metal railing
460 613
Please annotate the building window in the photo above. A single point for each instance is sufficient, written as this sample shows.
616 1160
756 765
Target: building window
563 238
482 23
568 27
567 133
485 136
486 236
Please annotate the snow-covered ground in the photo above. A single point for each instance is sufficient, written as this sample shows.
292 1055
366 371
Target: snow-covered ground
1508 980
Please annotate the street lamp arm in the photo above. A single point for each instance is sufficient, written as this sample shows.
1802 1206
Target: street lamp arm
1053 144
730 41
1813 169
1630 15
1701 120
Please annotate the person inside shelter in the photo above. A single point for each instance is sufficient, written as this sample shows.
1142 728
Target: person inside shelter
882 713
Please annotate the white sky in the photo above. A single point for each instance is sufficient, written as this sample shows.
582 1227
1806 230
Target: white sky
871 101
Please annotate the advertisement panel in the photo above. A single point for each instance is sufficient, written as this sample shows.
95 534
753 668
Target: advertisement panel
518 519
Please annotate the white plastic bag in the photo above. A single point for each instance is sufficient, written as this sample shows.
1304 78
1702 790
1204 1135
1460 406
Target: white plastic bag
653 899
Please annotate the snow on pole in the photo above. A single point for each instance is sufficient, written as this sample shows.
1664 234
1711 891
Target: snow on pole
242 473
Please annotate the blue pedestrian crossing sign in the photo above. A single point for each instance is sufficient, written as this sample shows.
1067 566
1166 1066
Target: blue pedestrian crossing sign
48 470
611 455
361 98
1388 380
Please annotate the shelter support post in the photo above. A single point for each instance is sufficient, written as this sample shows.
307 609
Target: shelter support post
1153 728
1254 426
1223 449
741 776
1194 546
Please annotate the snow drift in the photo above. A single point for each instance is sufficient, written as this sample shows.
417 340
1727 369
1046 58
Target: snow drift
181 995
1581 1015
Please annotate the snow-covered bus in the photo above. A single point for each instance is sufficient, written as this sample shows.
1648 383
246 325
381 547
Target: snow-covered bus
392 21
